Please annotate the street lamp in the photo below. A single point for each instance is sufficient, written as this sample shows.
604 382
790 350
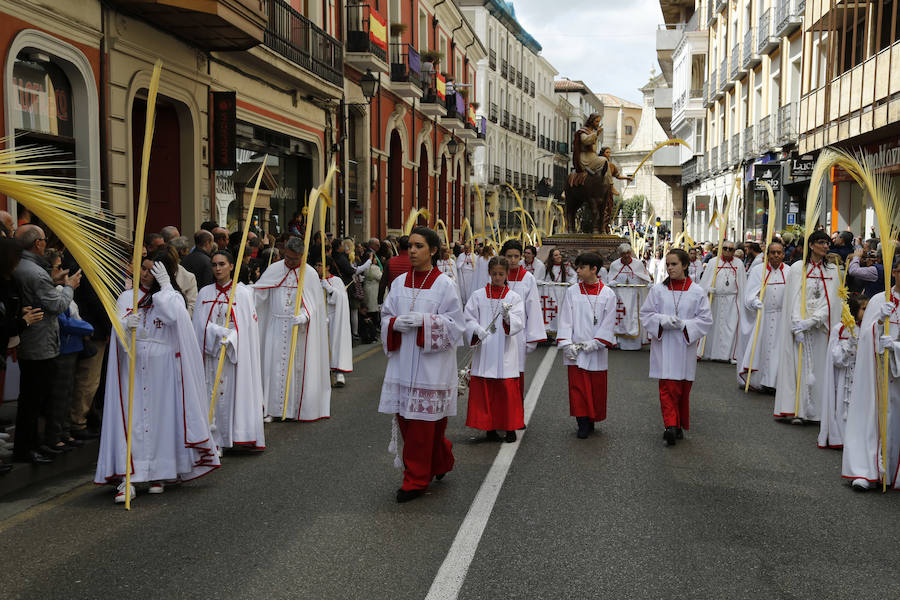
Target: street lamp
369 85
452 146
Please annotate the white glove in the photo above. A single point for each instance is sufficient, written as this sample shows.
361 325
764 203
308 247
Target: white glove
216 330
799 336
482 333
804 325
571 352
325 285
591 346
757 304
415 319
506 308
886 310
161 275
676 323
885 342
301 319
711 292
132 321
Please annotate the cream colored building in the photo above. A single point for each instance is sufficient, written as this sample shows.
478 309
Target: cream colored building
620 121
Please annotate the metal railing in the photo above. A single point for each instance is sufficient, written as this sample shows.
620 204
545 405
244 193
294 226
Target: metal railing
713 160
689 172
735 61
678 105
531 93
496 177
705 91
713 84
787 123
763 31
723 73
787 17
702 168
504 68
764 139
749 142
405 64
296 38
505 122
723 155
519 79
508 175
359 38
749 47
492 59
494 113
735 156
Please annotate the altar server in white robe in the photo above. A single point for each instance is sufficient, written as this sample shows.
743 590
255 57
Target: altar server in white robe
522 283
238 414
677 315
446 264
823 312
630 281
465 271
586 321
340 339
422 324
768 342
726 299
494 316
171 440
481 277
532 263
309 398
836 393
558 276
695 270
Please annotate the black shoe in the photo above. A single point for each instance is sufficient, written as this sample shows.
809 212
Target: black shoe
511 436
74 443
5 468
679 433
36 458
85 434
669 436
407 495
493 436
47 450
584 427
441 476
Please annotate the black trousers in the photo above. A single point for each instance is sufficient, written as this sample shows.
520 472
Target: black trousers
56 410
35 386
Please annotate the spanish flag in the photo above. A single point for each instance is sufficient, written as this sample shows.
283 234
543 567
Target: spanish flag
378 30
472 115
441 85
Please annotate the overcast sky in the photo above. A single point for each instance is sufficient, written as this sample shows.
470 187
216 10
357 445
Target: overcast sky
609 44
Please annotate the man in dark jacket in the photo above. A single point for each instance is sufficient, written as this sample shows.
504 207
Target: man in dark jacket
199 261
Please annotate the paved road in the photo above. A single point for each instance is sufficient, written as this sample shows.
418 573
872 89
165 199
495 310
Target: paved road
745 508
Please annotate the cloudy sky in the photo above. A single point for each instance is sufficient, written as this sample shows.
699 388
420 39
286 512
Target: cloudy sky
609 44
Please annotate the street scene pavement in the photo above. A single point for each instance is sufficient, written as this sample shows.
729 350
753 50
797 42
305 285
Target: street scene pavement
745 507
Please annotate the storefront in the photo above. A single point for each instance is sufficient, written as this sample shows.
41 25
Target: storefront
851 209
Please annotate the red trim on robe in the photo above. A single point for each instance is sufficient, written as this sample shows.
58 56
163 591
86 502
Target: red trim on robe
394 338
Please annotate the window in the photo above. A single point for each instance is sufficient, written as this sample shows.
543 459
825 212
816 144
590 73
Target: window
423 31
628 129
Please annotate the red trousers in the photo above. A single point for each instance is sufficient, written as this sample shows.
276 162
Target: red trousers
495 404
587 393
675 402
426 452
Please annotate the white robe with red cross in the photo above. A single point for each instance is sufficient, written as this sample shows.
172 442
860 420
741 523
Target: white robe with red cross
523 284
340 339
238 415
768 340
421 378
552 289
309 398
722 341
630 282
588 313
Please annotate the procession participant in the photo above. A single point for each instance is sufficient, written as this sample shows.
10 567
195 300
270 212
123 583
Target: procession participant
532 263
657 266
695 269
677 315
309 398
171 440
481 277
768 342
625 272
559 270
558 275
863 461
586 321
842 348
340 340
421 325
823 312
465 270
238 415
446 264
522 283
494 316
725 303
754 255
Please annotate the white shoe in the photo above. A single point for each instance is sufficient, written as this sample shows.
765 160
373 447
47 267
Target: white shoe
4 436
796 421
120 494
339 380
861 484
219 452
157 487
267 419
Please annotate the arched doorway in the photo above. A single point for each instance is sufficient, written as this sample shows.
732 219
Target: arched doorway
443 203
395 183
421 198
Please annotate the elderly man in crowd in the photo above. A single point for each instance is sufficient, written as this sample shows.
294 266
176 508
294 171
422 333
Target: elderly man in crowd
39 343
187 283
199 261
220 237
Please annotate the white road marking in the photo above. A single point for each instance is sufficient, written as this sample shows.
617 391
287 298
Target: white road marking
452 574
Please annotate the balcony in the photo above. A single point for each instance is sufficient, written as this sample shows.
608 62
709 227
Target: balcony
788 17
667 157
713 160
294 37
765 140
210 25
727 82
723 155
492 60
689 172
469 132
504 123
562 148
751 56
716 92
432 105
749 143
508 176
531 91
667 39
494 114
707 101
787 124
364 48
766 40
480 140
519 79
513 123
495 179
735 149
456 112
662 104
522 127
504 69
406 71
738 71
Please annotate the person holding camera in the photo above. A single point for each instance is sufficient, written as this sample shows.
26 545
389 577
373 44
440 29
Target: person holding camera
867 270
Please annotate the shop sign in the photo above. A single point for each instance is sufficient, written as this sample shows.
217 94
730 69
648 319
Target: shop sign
41 98
770 173
802 166
224 153
885 159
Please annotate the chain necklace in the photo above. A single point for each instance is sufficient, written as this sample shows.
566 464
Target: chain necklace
676 299
415 294
593 304
496 306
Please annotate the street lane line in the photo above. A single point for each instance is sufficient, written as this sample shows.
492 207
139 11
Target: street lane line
452 574
367 354
43 507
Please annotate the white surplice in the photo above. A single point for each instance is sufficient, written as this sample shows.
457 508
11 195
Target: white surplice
768 340
552 290
310 393
421 381
584 317
673 353
622 279
465 271
838 387
340 339
823 305
480 276
536 268
238 416
522 283
170 429
497 356
862 458
722 340
695 270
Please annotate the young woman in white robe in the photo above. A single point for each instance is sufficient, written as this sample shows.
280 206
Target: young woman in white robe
533 264
726 300
677 316
340 338
480 277
586 321
552 287
422 324
465 271
630 281
309 398
695 269
238 414
838 386
446 264
522 283
171 440
862 460
494 316
768 342
823 312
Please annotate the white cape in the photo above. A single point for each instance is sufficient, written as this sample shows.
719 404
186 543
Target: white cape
340 339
